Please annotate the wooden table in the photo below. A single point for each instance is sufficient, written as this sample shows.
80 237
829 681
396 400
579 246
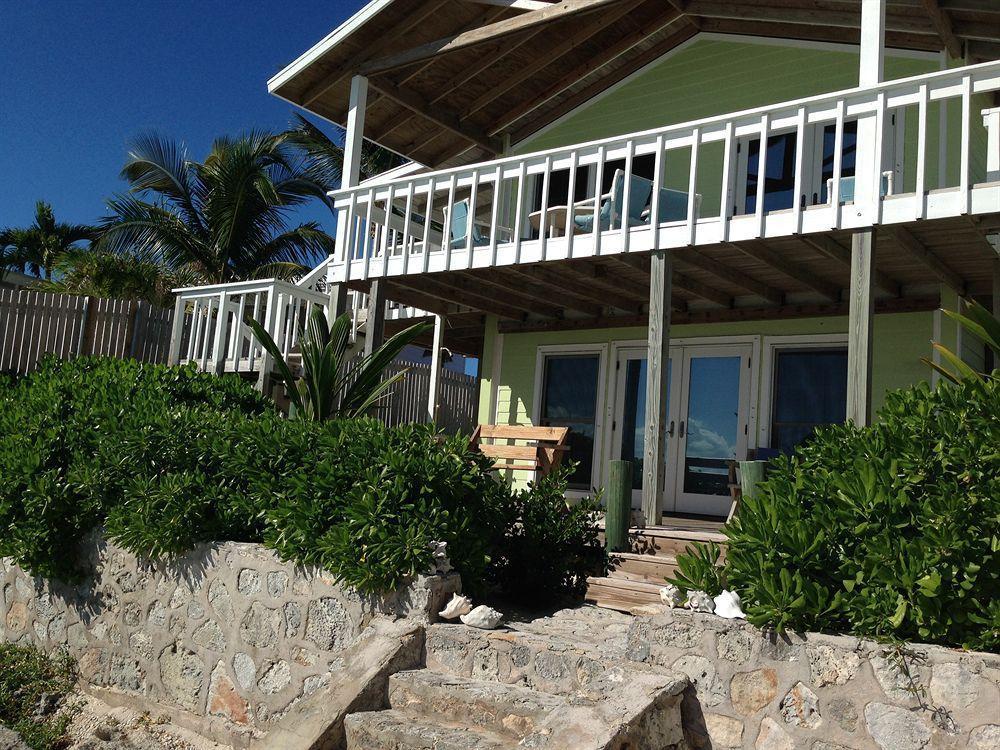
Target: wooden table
555 220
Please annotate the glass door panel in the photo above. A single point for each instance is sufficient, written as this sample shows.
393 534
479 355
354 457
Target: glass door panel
713 430
569 399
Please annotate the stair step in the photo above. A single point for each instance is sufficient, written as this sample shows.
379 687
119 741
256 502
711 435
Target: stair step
509 710
398 730
622 594
667 541
649 568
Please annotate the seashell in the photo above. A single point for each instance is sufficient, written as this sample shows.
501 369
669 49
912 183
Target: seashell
699 601
727 604
482 617
459 605
671 596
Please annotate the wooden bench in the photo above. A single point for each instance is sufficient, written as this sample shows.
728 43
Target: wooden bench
521 447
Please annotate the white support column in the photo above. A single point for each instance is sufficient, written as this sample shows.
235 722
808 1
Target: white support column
871 72
339 297
654 465
991 121
353 138
434 389
221 335
860 328
266 361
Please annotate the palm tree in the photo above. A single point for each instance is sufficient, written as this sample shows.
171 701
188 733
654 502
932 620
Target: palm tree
979 322
225 219
39 248
326 157
333 385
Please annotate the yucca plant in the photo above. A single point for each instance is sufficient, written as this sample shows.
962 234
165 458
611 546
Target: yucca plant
980 323
332 386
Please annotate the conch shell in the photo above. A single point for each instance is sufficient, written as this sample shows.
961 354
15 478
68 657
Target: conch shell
699 601
671 596
483 617
727 604
459 605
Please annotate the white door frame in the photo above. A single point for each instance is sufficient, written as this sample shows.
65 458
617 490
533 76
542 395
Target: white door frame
616 346
600 349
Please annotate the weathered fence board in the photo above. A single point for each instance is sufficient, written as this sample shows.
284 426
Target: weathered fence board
34 324
408 402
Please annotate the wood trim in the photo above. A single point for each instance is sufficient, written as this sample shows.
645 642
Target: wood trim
715 9
523 283
692 286
784 312
942 23
935 265
696 259
482 34
580 289
438 115
448 293
517 4
770 258
487 287
832 249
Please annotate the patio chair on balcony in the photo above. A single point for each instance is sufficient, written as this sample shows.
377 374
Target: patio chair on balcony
610 213
847 187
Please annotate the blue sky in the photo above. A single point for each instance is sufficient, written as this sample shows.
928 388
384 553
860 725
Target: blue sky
81 78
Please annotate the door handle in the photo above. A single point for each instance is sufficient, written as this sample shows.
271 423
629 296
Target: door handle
670 429
681 433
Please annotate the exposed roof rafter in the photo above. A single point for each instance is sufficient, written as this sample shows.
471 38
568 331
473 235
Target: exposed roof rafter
942 22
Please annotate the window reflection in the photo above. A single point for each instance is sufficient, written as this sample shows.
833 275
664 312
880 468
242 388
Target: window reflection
569 399
810 389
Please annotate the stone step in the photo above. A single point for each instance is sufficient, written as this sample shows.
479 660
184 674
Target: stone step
622 594
647 568
509 710
561 664
399 730
668 541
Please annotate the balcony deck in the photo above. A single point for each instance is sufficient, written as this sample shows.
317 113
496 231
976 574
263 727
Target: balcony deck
729 266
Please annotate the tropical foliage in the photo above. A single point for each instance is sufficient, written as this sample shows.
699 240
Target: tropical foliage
326 156
981 324
165 458
223 219
890 531
331 385
39 248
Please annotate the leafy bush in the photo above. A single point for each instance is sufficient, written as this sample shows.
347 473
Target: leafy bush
547 548
166 458
33 691
892 531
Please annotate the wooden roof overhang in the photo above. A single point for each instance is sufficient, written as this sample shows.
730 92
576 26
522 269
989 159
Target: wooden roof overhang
792 277
451 79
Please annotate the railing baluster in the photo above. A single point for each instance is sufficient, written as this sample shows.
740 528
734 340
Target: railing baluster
693 185
470 229
963 176
626 195
407 216
654 200
237 338
838 163
368 240
447 225
495 213
765 122
543 220
800 144
522 177
879 151
252 351
598 185
726 204
428 215
920 188
570 201
209 305
386 230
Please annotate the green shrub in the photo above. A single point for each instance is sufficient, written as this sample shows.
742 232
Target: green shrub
891 531
166 458
546 547
33 692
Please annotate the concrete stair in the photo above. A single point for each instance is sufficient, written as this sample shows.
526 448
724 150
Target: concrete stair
636 576
548 684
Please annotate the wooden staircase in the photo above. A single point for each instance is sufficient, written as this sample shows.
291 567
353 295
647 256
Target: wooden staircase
636 576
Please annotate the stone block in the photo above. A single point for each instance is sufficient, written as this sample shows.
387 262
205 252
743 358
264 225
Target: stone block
895 728
752 691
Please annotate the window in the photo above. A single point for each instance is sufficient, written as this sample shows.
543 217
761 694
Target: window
569 399
810 390
779 182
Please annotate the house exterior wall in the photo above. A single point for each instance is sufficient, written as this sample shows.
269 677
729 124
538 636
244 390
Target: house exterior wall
714 75
901 339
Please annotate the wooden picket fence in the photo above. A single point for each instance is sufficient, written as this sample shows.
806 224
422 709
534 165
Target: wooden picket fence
458 402
33 324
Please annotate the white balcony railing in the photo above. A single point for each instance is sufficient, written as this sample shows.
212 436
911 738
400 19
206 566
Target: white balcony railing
210 326
388 234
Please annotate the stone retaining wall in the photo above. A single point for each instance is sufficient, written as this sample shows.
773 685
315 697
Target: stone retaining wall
226 639
818 692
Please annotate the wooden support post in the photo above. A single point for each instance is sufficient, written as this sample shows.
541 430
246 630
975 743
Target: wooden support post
996 284
618 511
434 386
176 332
861 317
266 360
654 467
375 323
339 297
